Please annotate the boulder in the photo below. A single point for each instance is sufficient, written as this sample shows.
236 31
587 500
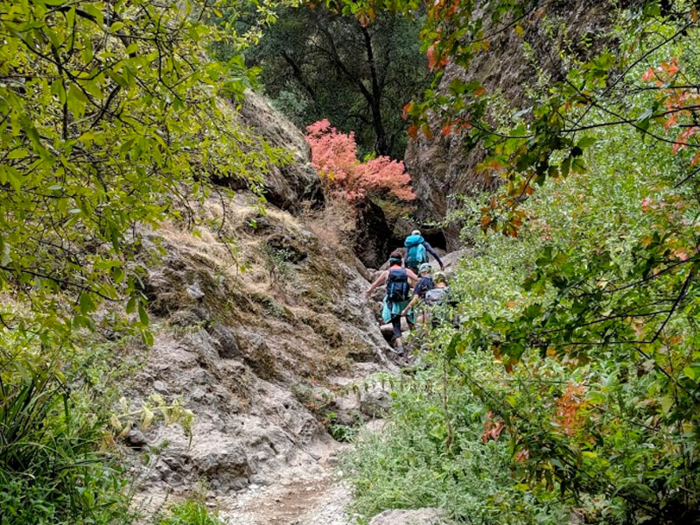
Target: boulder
427 516
136 439
291 185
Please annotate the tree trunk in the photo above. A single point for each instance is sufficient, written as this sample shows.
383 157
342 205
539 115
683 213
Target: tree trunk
381 144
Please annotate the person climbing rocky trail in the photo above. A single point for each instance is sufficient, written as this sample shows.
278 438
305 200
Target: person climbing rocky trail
349 262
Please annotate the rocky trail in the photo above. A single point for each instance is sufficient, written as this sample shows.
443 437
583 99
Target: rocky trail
320 499
269 360
318 496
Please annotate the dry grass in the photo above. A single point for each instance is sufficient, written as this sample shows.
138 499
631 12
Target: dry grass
333 224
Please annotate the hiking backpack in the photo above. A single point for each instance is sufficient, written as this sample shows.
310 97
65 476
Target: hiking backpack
436 296
397 287
416 254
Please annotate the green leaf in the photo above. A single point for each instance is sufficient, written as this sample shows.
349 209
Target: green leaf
131 305
86 303
666 404
143 315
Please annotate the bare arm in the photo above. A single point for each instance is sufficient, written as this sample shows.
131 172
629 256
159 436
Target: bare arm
412 277
411 304
376 284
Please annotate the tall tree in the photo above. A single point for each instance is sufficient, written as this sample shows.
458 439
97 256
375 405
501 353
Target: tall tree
317 63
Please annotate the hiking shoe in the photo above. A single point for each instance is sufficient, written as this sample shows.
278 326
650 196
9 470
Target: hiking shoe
398 351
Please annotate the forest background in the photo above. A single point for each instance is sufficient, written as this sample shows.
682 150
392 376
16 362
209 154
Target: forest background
566 379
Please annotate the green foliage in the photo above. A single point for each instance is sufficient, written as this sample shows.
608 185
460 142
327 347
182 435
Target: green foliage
279 263
411 465
111 120
51 469
579 328
315 65
191 512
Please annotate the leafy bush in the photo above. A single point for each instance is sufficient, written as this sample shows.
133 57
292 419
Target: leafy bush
191 512
278 263
334 155
411 464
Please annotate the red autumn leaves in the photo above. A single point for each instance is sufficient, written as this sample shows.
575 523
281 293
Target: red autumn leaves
334 156
681 104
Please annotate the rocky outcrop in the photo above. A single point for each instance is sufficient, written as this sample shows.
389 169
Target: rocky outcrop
444 168
234 337
293 184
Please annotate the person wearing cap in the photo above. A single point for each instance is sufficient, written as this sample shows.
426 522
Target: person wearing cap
425 280
398 282
438 294
417 251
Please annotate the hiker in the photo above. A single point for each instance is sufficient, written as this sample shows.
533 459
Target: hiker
417 250
425 280
438 294
425 284
398 293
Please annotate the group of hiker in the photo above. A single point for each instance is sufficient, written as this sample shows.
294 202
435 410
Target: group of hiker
409 281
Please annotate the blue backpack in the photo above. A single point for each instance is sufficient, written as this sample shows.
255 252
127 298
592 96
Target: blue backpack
397 287
416 254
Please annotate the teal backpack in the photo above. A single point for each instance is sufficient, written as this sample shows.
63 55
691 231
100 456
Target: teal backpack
416 254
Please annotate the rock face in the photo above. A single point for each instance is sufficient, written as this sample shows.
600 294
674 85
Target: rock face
374 236
426 516
232 345
443 168
290 186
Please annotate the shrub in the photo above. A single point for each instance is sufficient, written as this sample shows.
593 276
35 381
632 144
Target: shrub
51 468
334 156
191 512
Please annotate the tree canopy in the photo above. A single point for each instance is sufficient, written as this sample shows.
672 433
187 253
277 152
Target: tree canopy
112 118
318 63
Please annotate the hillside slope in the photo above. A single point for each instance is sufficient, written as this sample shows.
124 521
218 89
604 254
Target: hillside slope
246 339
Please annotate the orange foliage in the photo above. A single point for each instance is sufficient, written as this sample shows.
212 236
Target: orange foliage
568 408
492 429
679 102
334 156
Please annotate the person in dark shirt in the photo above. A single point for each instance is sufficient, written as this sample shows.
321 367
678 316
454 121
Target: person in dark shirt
425 281
424 285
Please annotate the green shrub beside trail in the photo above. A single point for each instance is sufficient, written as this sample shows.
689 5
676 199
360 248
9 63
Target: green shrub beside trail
571 383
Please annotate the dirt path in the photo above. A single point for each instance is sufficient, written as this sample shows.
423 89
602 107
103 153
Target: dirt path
316 500
317 497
